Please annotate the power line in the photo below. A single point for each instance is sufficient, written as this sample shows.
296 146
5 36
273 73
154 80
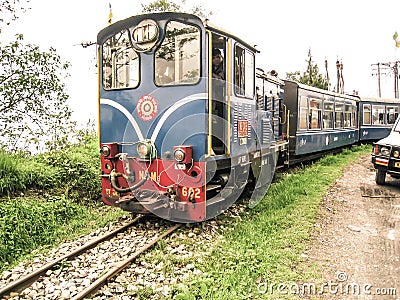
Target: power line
387 68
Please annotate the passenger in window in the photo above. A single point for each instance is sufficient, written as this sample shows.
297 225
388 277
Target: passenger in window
381 118
161 75
217 65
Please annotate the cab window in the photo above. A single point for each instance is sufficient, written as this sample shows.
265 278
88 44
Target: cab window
120 63
177 60
244 72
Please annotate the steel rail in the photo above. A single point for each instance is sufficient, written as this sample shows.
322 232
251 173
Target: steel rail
120 266
23 282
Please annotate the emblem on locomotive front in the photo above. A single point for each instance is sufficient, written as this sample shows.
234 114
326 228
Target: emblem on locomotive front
147 107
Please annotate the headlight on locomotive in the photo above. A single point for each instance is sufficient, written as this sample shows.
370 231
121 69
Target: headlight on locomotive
183 154
146 149
105 150
396 154
179 155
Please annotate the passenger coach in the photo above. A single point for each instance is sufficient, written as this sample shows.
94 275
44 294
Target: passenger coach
377 116
319 120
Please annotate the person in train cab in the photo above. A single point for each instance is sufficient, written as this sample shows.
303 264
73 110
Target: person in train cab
217 65
162 77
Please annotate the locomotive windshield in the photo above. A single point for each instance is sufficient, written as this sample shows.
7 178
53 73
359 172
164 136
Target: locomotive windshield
120 63
177 60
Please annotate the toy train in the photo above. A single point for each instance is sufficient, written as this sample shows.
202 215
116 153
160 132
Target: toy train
181 144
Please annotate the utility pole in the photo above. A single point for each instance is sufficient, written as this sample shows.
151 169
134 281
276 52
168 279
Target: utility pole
378 73
388 68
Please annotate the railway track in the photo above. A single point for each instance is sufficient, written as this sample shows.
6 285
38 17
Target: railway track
112 269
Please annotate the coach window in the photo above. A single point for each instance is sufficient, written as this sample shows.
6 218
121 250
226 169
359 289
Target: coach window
315 114
328 115
366 114
347 115
303 113
338 115
354 114
391 114
177 60
378 114
244 72
120 63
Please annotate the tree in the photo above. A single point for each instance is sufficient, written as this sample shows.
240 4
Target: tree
33 104
165 5
311 76
9 10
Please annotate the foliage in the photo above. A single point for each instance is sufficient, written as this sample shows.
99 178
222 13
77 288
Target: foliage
311 76
78 168
18 172
73 170
33 101
165 5
9 10
26 224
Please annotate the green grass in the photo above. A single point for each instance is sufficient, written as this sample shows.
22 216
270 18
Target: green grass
49 198
266 244
74 171
30 225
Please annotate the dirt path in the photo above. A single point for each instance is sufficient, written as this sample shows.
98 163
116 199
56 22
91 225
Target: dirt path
357 239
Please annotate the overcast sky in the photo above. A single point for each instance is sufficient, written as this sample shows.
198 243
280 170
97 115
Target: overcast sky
358 33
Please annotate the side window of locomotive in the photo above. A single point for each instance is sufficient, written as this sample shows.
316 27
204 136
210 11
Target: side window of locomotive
244 72
366 114
120 63
260 93
378 114
391 114
315 114
303 113
177 60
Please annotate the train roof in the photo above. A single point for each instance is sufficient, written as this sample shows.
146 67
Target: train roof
126 23
380 100
214 28
318 90
275 79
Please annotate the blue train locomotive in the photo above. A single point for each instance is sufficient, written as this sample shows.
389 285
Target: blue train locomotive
181 138
175 141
